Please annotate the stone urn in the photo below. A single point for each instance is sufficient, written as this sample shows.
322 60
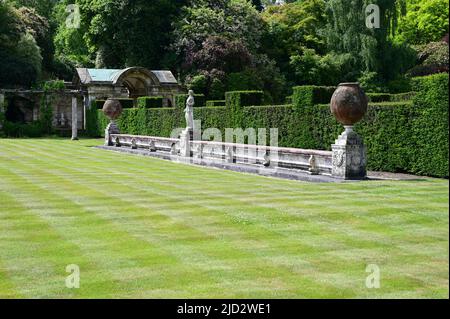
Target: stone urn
112 110
349 103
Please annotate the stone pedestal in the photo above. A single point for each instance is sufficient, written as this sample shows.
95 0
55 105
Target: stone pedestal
185 138
112 128
349 156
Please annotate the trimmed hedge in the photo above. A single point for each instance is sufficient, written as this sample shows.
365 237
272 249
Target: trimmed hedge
407 136
215 103
244 98
430 127
180 100
309 95
150 102
386 97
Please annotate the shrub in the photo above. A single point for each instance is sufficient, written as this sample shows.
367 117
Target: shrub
198 83
310 95
387 97
150 102
246 98
34 129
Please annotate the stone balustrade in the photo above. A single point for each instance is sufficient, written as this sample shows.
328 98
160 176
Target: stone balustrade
312 161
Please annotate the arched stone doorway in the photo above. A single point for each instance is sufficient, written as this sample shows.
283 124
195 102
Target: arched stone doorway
138 81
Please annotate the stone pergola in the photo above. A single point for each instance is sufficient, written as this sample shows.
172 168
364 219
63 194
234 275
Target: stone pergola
134 82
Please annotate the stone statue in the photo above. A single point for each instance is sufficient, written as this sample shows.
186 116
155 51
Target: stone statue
189 111
62 120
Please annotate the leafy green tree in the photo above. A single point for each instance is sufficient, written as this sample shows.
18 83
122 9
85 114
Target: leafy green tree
220 42
118 33
233 19
425 21
293 30
39 27
371 49
19 53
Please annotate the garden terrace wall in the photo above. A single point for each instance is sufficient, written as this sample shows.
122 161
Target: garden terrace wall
407 136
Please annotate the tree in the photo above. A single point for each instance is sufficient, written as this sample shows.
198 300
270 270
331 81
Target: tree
118 33
220 41
371 49
19 52
292 30
425 21
233 19
39 27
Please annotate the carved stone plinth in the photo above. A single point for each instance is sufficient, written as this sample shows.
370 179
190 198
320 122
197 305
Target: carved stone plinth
185 146
112 128
349 156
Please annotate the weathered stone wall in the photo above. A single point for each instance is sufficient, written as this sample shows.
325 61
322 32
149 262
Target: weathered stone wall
61 103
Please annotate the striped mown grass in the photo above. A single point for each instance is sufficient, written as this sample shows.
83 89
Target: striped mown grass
146 228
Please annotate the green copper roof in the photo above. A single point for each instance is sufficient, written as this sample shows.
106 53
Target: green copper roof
103 75
92 76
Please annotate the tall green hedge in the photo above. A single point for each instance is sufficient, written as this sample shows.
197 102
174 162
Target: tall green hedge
407 136
309 95
150 102
430 127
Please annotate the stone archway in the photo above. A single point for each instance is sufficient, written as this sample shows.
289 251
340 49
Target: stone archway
138 81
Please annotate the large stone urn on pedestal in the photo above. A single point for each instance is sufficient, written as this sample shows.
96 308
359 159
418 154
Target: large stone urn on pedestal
349 105
112 110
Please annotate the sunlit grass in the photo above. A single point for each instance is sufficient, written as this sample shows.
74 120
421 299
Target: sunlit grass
146 228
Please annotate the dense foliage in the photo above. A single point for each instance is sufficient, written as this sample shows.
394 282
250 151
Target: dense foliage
216 46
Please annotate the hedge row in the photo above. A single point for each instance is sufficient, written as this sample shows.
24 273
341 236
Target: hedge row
310 95
407 136
386 97
150 102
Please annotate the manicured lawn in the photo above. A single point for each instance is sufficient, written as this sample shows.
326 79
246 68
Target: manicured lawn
146 228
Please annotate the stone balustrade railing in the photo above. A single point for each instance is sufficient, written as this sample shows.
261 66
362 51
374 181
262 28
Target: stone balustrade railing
312 161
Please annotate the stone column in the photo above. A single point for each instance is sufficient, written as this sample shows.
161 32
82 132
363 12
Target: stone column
74 118
349 156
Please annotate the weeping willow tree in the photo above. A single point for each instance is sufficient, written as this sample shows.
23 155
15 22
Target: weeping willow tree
370 49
